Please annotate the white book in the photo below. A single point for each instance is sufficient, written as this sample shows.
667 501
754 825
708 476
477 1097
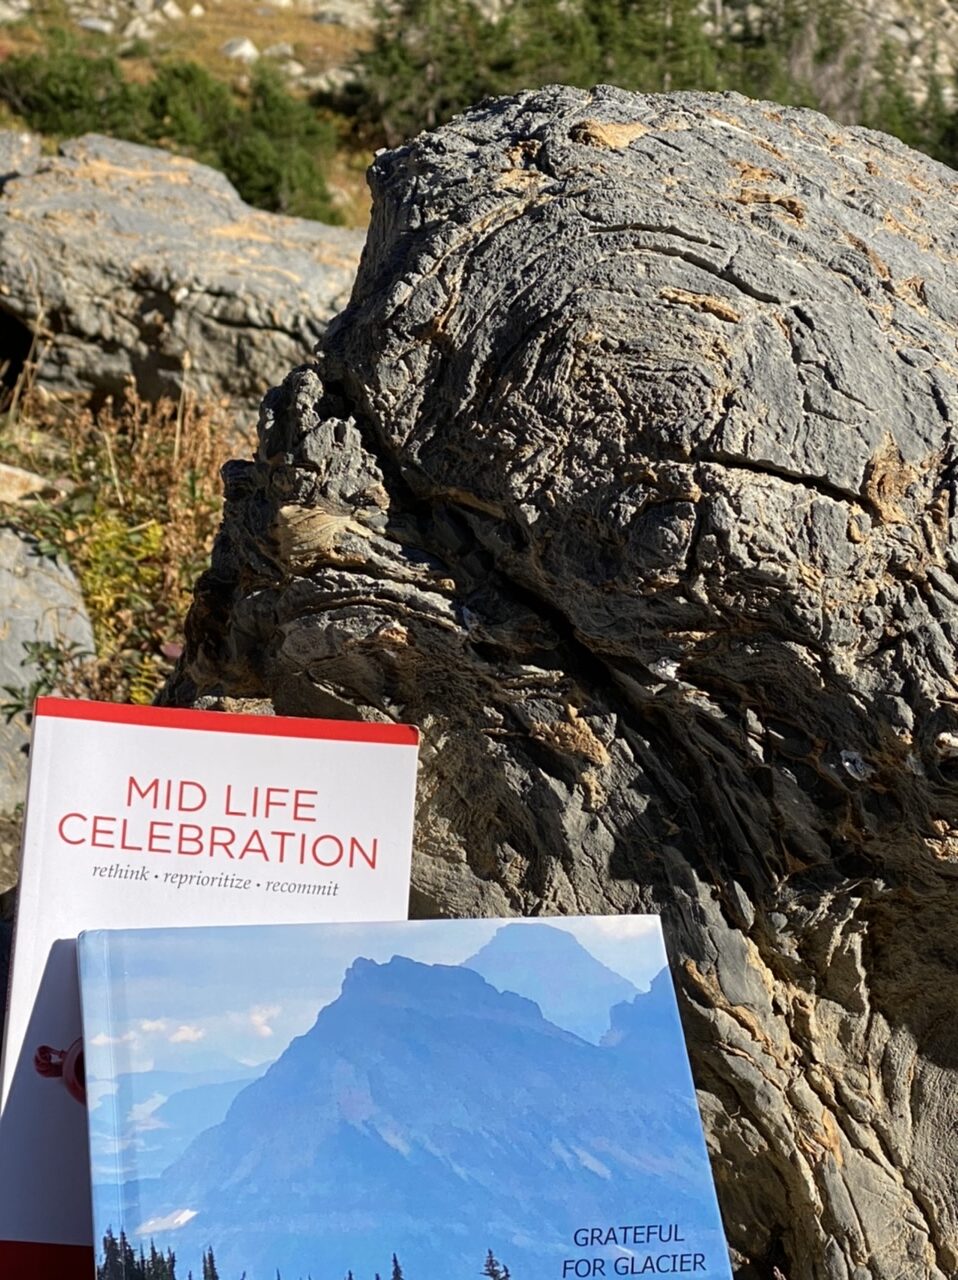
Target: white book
144 817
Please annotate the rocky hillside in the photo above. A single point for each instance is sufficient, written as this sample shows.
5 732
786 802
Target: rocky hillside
922 34
835 49
305 39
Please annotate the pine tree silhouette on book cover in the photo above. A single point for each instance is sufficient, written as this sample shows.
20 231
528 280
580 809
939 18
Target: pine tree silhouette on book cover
422 1100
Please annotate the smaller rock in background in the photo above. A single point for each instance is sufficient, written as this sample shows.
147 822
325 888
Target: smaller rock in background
332 81
99 26
15 483
345 13
137 28
41 603
240 49
14 11
19 154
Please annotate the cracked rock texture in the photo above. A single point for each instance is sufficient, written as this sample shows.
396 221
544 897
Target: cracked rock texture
125 259
629 474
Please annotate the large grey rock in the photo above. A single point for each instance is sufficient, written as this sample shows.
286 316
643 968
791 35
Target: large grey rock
629 473
131 259
41 604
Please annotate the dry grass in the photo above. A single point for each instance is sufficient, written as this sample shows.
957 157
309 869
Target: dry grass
132 506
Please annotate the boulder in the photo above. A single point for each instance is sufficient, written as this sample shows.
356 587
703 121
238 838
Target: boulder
99 26
41 604
132 261
629 473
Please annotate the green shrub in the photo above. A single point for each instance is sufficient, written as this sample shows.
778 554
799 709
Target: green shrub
64 91
429 59
136 525
272 146
654 46
889 107
276 163
187 108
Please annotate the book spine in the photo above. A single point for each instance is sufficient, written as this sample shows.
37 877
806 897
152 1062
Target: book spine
95 966
28 890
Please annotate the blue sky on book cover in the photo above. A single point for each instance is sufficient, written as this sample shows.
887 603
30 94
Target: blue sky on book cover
309 1101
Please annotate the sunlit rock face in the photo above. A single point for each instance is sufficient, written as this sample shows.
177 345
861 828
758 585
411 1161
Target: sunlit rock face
134 264
629 474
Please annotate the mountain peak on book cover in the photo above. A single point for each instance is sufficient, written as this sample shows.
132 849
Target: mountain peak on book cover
399 1105
375 991
574 1002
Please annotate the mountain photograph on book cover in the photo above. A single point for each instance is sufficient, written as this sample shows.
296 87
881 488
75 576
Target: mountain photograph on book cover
437 1098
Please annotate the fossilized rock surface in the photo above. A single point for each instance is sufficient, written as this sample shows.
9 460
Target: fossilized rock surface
127 258
629 474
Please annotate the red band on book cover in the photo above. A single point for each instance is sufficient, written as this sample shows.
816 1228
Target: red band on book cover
400 735
21 1260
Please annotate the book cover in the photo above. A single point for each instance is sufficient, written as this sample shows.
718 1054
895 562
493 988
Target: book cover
142 816
508 1098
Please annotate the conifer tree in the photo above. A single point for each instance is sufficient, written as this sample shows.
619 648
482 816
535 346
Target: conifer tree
111 1268
397 1269
494 1269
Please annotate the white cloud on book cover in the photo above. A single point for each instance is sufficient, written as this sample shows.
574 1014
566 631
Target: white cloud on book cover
186 1034
141 1113
168 1223
101 1040
260 1018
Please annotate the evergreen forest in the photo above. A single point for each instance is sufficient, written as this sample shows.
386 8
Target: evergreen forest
120 1261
